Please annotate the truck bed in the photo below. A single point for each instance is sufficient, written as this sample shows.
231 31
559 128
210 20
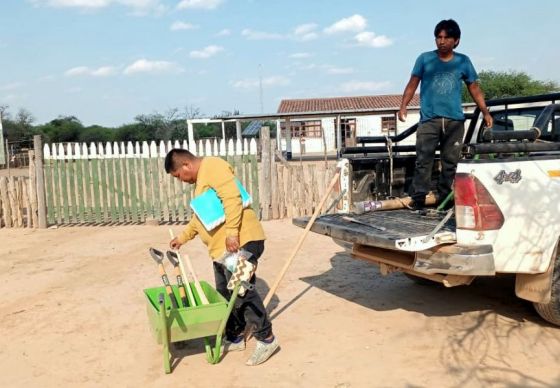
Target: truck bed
391 229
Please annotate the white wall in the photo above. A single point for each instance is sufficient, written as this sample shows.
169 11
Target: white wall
365 126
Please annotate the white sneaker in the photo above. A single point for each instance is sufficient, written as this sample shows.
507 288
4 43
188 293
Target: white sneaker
262 352
233 346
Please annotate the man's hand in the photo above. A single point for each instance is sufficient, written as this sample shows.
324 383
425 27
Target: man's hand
402 114
409 91
232 243
478 97
175 244
488 120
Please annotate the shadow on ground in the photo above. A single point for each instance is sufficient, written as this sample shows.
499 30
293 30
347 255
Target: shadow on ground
478 345
360 282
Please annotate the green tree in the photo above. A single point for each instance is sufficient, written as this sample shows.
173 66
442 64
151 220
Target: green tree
203 131
500 84
168 126
133 132
61 129
95 133
155 124
18 130
180 130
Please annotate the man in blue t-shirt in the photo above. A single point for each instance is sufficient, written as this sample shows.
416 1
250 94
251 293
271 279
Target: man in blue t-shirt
441 115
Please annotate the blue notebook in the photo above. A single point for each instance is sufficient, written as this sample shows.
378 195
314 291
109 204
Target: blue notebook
209 208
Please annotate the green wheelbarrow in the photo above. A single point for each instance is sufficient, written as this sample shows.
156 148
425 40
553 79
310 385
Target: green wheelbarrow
170 324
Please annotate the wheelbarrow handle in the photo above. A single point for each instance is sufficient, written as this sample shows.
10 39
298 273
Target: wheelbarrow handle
156 255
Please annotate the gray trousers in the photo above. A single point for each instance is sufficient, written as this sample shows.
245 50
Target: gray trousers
449 134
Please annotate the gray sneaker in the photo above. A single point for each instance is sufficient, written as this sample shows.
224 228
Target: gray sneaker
233 346
262 352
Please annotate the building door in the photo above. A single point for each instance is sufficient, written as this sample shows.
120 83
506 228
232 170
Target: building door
348 129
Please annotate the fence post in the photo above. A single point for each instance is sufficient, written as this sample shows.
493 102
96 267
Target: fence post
32 217
6 209
7 156
41 202
274 197
266 181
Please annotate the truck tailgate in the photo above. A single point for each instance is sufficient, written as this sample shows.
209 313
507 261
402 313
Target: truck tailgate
392 229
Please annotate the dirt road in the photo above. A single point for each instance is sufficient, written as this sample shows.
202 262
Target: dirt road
73 314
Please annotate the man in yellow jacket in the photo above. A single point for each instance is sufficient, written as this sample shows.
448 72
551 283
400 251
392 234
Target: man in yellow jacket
241 229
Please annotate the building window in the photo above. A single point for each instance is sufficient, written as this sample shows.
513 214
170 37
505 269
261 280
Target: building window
307 129
388 124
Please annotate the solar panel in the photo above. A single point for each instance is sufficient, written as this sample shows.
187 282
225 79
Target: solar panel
252 129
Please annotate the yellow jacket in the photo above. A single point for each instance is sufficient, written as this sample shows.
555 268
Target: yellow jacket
217 174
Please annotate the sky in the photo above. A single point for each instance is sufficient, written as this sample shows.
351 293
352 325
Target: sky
107 61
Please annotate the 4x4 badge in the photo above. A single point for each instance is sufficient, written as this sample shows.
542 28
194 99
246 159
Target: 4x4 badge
504 176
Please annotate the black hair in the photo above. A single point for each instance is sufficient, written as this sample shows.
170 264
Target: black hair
174 157
451 27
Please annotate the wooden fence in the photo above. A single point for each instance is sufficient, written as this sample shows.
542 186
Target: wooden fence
298 189
126 183
292 189
18 202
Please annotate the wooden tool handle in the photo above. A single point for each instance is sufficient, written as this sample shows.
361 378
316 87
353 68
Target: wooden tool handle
197 285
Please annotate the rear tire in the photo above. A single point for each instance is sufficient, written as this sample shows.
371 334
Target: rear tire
550 311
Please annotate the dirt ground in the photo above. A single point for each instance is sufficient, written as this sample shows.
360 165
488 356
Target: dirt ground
73 314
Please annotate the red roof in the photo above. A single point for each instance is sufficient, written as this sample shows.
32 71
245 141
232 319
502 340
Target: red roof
340 104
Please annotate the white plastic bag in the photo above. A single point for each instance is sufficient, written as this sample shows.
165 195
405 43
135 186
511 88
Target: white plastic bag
241 268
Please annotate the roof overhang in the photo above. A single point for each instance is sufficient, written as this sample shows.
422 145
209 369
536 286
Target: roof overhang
334 113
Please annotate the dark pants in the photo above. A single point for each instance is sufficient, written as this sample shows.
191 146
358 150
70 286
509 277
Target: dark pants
449 134
249 309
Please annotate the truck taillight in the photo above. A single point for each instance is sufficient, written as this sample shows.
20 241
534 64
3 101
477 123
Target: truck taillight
475 209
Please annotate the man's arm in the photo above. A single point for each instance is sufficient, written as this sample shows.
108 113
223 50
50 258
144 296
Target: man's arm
188 234
478 97
408 93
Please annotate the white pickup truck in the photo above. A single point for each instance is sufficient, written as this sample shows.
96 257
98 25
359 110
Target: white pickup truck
506 214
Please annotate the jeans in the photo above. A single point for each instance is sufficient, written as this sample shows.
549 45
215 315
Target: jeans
449 134
248 309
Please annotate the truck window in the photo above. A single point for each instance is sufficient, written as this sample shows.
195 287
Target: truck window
520 119
512 119
515 120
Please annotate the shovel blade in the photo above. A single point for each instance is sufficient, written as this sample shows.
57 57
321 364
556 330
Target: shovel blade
156 255
173 258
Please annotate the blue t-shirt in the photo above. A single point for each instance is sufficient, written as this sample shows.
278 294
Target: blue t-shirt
440 87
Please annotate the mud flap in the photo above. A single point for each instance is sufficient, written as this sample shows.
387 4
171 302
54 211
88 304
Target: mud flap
536 287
